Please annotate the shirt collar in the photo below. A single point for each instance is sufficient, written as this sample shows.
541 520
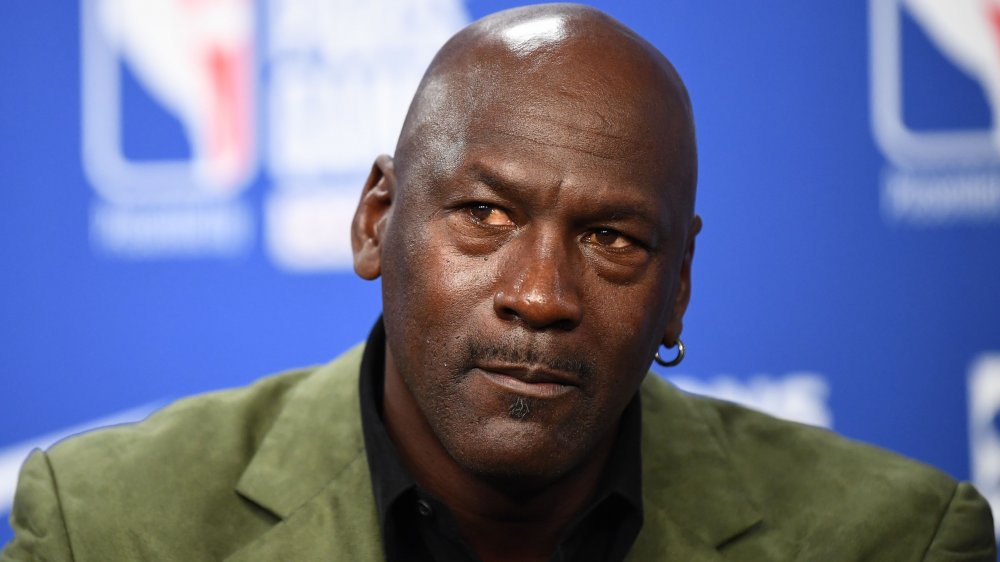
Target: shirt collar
389 478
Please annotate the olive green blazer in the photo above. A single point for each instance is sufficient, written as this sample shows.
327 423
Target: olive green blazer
277 471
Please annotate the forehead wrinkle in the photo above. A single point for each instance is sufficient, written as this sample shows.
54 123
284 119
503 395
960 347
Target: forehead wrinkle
580 127
590 149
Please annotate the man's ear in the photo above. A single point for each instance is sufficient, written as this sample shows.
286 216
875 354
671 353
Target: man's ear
372 217
683 296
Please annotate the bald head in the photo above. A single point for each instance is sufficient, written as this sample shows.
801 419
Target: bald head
519 70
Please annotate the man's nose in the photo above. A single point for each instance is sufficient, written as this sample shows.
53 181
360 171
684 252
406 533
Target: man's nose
540 286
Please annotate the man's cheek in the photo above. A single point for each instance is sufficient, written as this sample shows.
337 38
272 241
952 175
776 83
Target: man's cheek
467 282
627 328
440 294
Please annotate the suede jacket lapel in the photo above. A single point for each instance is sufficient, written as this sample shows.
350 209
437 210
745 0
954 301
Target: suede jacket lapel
694 500
311 472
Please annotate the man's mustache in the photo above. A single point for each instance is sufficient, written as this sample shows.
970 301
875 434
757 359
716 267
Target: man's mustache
477 351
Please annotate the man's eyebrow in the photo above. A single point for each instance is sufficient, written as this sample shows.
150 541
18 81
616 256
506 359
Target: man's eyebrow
627 211
646 218
496 182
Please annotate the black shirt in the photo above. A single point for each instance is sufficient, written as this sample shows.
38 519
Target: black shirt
416 526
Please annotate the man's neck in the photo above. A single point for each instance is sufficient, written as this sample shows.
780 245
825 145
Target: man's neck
500 520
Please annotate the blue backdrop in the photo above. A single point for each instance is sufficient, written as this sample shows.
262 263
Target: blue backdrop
177 183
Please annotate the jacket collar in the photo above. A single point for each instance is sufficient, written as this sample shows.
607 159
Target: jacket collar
310 471
694 499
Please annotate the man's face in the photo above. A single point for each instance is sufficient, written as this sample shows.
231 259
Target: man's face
531 258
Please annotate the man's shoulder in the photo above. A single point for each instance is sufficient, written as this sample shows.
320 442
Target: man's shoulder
790 454
811 488
172 482
231 419
756 440
210 424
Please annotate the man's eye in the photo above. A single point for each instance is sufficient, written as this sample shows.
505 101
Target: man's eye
490 215
609 238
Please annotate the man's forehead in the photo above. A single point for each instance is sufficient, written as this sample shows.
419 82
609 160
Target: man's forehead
555 123
560 120
549 80
550 102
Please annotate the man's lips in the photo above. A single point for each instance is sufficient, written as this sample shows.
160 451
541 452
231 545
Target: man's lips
536 381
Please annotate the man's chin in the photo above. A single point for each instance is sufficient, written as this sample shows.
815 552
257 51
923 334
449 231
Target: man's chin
516 455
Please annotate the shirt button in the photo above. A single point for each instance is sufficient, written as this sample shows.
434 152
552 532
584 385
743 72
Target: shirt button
424 508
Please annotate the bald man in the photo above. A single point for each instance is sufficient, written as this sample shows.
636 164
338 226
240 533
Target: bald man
534 234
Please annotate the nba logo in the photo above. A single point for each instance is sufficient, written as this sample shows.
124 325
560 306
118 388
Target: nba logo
961 38
194 60
984 427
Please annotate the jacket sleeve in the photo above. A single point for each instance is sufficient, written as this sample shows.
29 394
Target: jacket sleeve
965 531
37 518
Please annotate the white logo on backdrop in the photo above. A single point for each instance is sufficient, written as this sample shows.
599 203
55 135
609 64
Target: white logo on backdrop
984 428
937 176
332 85
800 397
196 61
